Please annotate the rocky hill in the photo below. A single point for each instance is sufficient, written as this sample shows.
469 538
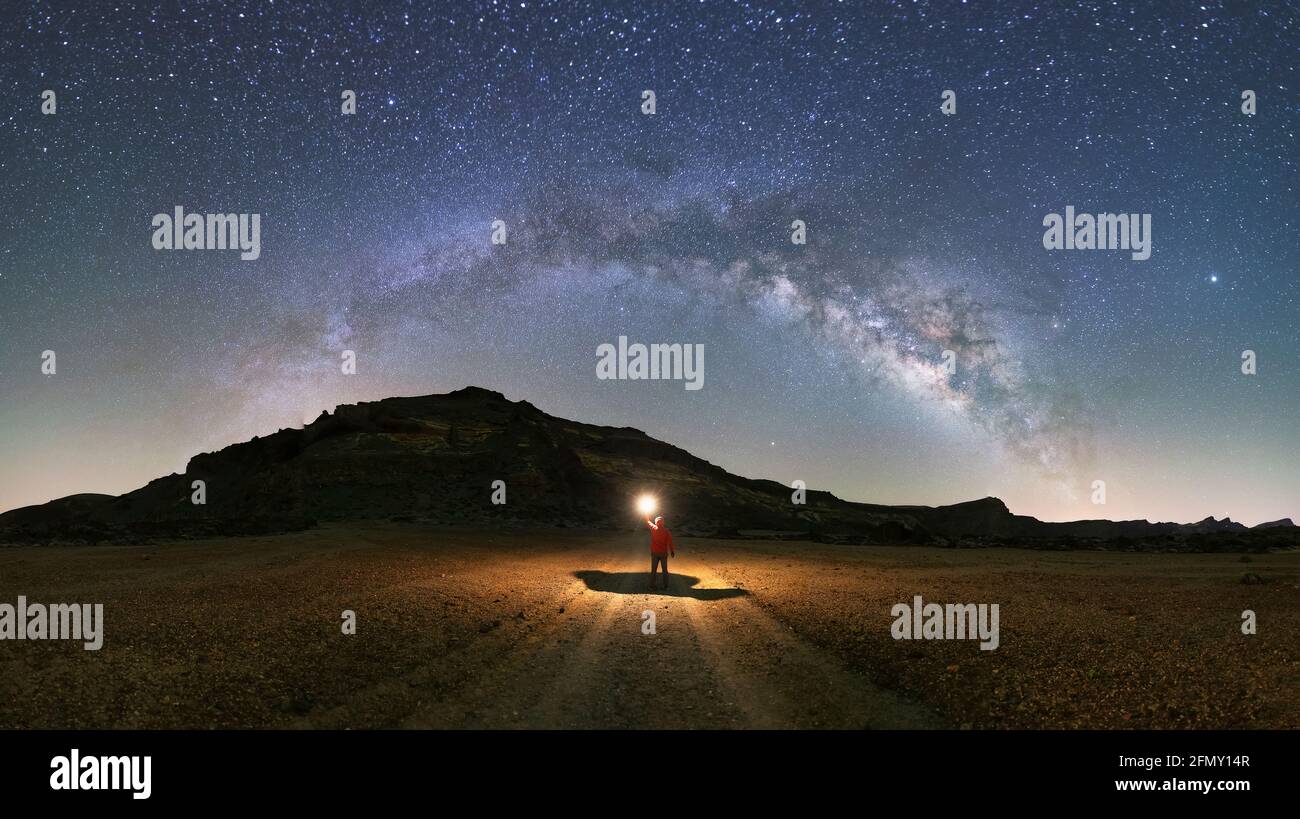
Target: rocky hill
435 458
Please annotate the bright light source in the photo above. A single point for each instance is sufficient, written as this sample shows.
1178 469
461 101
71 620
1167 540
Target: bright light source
645 504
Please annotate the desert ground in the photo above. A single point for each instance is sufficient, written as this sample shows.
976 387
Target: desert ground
544 629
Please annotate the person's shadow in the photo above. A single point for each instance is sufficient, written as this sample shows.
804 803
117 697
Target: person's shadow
679 585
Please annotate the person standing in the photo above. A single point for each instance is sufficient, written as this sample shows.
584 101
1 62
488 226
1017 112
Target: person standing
661 546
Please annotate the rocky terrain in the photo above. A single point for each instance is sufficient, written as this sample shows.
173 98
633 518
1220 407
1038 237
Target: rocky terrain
434 459
461 628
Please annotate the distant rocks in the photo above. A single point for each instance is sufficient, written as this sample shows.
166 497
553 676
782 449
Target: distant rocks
1276 524
1212 525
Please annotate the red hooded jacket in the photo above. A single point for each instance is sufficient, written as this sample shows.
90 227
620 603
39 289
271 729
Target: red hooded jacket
661 540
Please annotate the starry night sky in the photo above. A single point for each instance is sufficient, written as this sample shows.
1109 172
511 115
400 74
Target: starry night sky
924 234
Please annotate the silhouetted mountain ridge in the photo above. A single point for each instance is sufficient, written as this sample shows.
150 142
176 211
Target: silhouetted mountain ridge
435 459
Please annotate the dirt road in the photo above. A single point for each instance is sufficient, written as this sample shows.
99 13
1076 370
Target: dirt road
713 659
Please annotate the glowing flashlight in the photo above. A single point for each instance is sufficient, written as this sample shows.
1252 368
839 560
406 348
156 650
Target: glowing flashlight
646 504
